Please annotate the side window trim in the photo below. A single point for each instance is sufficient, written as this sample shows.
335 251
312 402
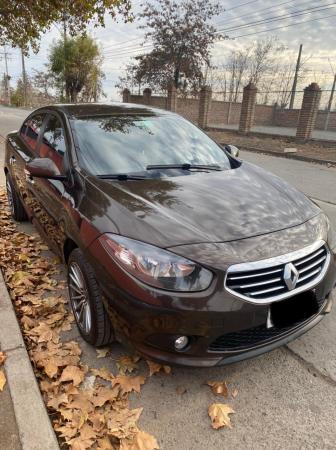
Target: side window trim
40 136
26 121
50 115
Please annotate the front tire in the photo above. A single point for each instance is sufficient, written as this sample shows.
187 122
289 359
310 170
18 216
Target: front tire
86 301
14 202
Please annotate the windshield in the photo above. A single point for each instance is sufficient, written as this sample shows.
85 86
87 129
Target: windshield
128 144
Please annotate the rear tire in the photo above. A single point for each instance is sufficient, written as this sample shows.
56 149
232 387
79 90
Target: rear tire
86 301
14 202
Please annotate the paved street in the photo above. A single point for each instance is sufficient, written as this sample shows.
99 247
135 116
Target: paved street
286 399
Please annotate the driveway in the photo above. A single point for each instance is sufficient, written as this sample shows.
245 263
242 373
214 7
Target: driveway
286 399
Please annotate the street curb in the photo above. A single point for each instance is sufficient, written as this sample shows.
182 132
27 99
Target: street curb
323 162
35 429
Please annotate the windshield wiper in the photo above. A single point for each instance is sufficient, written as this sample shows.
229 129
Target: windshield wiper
121 177
185 166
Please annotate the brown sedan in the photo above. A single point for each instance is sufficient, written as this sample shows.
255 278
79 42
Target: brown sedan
173 244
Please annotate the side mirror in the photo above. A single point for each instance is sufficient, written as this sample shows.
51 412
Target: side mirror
43 168
232 149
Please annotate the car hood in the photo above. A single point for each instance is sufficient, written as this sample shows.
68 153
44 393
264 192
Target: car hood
204 207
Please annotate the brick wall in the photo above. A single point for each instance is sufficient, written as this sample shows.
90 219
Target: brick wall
321 119
286 117
188 108
224 113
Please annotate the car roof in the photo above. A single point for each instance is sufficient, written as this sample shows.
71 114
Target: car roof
78 110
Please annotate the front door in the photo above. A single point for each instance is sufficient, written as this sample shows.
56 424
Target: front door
52 195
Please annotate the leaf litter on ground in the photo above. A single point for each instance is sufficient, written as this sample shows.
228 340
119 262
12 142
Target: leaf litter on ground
85 413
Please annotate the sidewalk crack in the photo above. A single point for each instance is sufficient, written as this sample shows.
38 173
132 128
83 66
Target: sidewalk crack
310 367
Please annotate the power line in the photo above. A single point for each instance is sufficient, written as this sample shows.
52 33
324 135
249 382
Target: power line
272 8
242 4
283 27
120 47
132 49
277 18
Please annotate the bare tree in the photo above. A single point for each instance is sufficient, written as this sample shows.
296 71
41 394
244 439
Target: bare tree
182 36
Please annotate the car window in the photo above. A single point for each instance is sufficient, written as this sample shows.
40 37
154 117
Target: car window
30 130
129 143
53 141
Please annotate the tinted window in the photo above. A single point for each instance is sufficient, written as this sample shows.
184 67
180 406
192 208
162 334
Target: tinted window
30 130
53 141
127 144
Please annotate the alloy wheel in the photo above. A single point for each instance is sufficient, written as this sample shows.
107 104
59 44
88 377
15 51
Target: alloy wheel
79 298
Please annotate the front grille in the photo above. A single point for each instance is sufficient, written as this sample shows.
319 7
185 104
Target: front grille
265 281
284 317
246 338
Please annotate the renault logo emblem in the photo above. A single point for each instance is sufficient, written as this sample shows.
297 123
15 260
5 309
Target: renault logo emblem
290 276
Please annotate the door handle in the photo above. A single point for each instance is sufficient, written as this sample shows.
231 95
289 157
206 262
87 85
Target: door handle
12 160
29 178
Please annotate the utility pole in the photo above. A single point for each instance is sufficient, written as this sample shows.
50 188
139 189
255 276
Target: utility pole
331 98
7 77
298 62
24 79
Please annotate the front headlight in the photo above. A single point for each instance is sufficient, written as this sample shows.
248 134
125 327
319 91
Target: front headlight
155 266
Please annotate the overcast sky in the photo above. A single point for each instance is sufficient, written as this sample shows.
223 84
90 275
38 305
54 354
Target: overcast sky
119 41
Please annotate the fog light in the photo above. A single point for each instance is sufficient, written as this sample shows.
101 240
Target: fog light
181 342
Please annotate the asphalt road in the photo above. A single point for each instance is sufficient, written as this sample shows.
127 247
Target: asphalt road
286 399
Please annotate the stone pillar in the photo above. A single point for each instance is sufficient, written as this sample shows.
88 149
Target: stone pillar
248 108
147 95
309 109
204 106
172 98
126 96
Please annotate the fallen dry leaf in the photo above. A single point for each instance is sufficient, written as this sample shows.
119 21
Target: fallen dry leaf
74 374
102 352
104 395
219 388
141 441
104 444
156 368
55 402
103 373
3 357
126 364
2 380
219 415
51 369
128 384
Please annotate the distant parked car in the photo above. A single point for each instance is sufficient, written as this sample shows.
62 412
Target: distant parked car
172 243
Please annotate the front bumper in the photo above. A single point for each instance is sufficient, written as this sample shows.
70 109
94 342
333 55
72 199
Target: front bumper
224 358
149 320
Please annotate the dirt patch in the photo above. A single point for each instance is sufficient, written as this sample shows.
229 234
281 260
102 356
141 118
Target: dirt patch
312 149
